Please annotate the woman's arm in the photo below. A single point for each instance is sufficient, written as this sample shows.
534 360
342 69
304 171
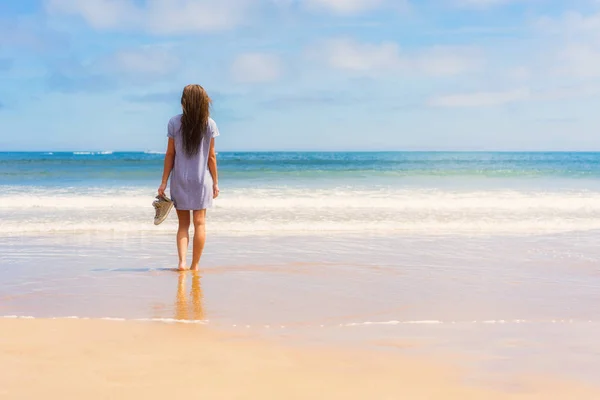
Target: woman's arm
212 167
168 166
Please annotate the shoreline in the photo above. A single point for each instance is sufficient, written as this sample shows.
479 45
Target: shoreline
106 359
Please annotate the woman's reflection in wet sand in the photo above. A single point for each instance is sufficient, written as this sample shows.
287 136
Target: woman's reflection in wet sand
183 311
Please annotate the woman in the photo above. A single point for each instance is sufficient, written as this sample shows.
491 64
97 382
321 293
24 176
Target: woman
191 160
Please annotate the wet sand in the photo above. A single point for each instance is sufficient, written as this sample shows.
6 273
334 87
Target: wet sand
508 306
94 359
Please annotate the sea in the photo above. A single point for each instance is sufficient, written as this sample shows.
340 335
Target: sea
491 253
386 193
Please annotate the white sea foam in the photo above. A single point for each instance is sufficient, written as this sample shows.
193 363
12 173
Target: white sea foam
285 211
300 199
342 325
484 322
162 320
89 153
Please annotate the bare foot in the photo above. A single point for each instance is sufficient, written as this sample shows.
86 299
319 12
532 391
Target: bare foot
195 267
182 267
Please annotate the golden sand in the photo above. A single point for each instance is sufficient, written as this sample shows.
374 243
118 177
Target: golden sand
87 359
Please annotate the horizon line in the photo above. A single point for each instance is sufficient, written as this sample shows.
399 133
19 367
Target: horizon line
108 152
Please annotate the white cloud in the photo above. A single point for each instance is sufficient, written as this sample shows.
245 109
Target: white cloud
480 99
520 73
145 66
580 60
256 68
188 16
347 54
571 23
168 16
156 16
483 3
100 14
448 60
370 58
345 6
148 61
569 92
517 95
573 43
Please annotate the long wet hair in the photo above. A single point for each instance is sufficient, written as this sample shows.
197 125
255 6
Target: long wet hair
194 121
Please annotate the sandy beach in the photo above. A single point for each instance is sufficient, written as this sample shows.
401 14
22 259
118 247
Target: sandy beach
95 359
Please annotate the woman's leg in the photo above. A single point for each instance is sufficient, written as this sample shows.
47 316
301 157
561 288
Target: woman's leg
199 237
183 237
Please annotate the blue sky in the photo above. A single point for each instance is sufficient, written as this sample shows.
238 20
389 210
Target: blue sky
303 74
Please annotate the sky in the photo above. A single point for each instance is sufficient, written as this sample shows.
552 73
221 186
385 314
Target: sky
327 75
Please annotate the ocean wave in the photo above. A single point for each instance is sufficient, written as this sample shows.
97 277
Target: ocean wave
90 153
282 211
161 320
297 200
276 325
270 228
472 322
255 227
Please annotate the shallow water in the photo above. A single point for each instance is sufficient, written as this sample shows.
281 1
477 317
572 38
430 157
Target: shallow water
286 279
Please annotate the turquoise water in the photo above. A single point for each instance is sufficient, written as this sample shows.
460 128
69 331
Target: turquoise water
106 168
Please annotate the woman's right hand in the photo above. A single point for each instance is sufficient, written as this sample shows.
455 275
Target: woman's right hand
161 189
215 191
